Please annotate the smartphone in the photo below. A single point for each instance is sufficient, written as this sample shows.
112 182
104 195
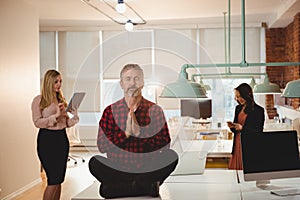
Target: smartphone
230 123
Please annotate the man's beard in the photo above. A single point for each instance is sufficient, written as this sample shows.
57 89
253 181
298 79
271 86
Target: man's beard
133 92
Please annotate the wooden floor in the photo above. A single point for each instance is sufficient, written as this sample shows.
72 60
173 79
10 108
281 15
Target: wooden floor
77 179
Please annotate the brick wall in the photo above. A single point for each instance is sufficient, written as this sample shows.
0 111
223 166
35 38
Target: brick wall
283 45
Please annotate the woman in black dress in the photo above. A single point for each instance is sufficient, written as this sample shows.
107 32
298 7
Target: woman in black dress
248 118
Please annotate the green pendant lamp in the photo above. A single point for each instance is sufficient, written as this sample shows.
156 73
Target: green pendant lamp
266 87
183 88
292 89
205 86
252 83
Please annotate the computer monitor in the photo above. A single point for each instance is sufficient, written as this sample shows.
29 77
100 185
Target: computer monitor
270 155
196 108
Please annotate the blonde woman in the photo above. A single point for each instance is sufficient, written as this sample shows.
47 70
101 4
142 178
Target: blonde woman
49 115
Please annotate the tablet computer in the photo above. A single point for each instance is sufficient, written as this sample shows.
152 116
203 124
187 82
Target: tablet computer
75 101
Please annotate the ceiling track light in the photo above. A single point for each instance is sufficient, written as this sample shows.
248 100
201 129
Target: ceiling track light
120 7
129 25
123 18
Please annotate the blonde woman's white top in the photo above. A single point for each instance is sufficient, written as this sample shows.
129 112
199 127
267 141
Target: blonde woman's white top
46 118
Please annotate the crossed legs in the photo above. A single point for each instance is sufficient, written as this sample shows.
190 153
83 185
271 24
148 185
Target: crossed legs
132 183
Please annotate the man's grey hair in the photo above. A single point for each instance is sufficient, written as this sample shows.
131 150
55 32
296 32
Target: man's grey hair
131 66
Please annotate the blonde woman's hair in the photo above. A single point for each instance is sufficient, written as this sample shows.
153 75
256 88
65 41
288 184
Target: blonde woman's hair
47 93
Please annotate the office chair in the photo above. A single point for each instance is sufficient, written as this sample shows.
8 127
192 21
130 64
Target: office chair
73 157
74 139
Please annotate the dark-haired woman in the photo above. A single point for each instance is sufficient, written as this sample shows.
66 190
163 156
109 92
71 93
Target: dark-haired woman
248 118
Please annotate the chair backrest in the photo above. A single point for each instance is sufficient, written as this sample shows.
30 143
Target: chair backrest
73 135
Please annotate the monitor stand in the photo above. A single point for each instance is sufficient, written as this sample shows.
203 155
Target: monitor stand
280 191
264 184
286 192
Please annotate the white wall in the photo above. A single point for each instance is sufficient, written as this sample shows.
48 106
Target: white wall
19 78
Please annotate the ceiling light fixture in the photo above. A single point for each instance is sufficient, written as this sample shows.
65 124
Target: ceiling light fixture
292 89
129 25
120 7
243 64
266 87
124 12
252 83
205 86
183 88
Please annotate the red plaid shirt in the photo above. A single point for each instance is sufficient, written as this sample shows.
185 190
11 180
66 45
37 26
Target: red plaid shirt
132 151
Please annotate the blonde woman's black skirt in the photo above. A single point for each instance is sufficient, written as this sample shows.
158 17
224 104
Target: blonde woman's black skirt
53 151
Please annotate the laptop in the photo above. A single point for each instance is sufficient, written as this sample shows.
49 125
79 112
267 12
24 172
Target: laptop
191 161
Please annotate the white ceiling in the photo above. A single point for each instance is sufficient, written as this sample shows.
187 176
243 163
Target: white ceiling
198 13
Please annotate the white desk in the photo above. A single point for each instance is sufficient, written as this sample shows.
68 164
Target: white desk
196 191
217 155
213 148
212 185
210 176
